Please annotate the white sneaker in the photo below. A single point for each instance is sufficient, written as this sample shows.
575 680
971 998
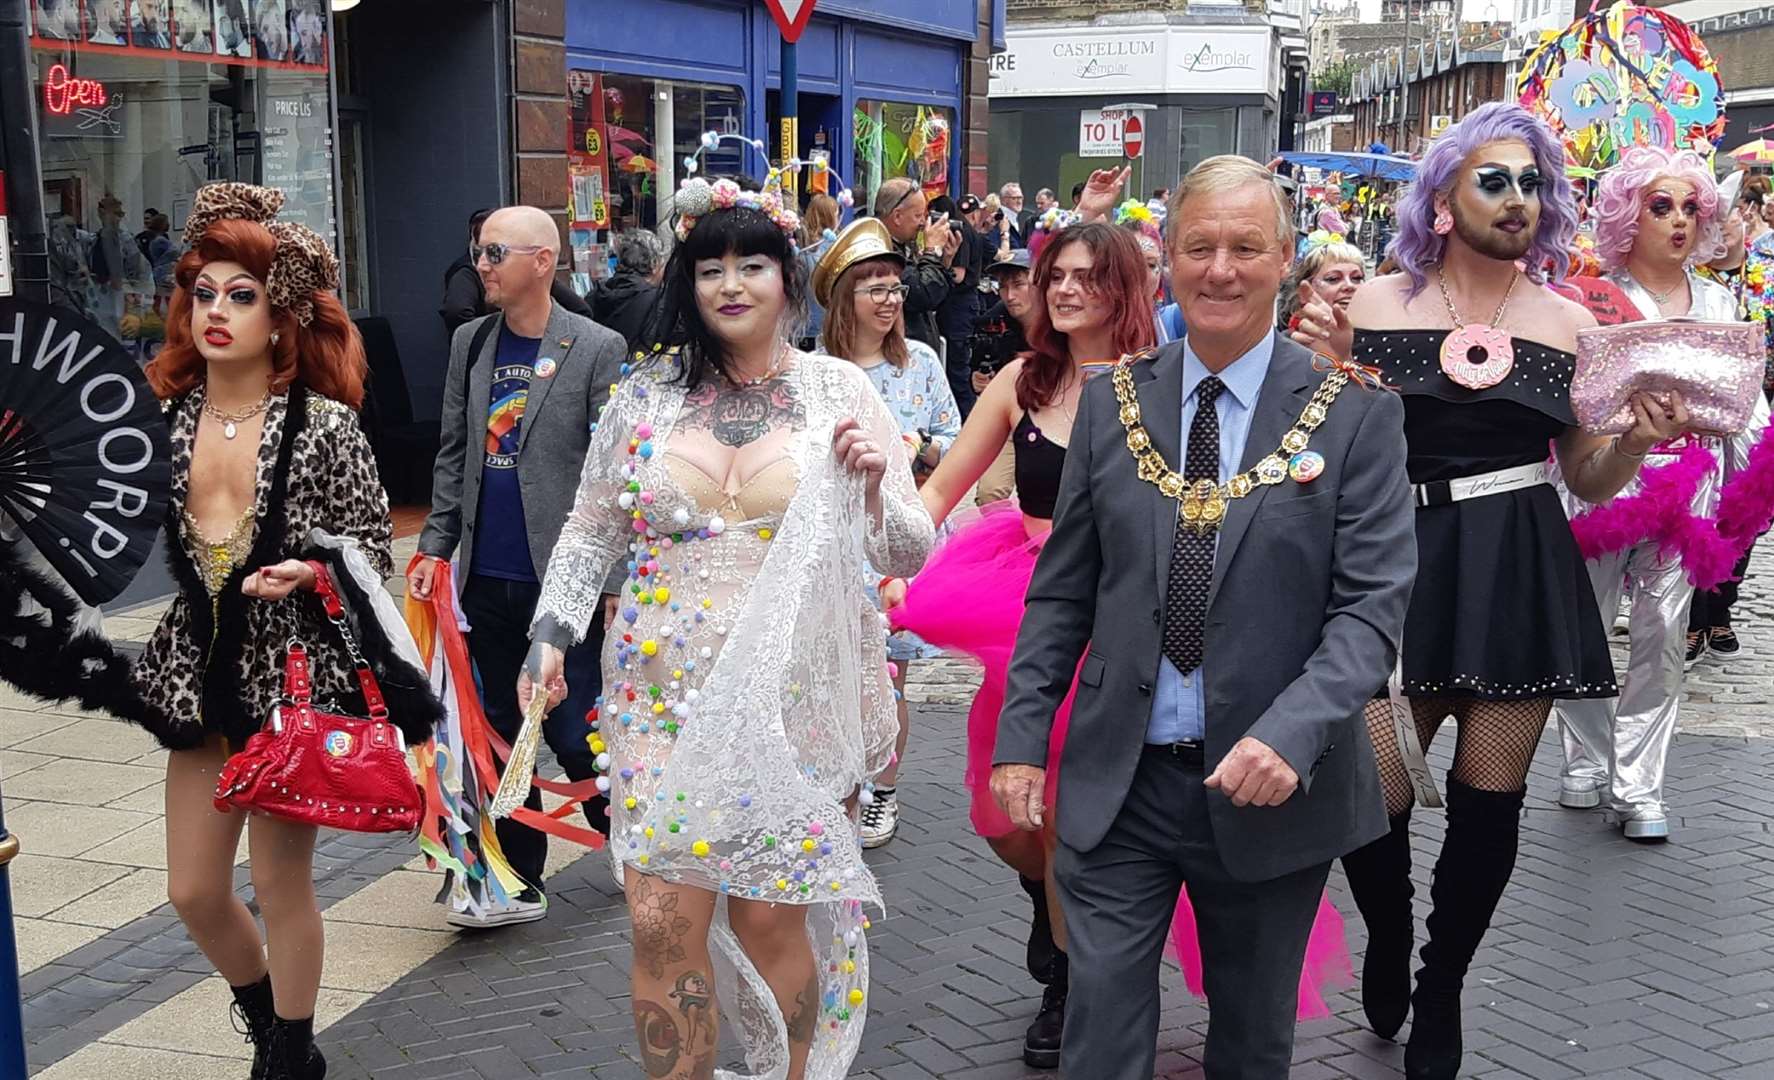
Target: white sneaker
531 905
880 819
1645 825
1579 793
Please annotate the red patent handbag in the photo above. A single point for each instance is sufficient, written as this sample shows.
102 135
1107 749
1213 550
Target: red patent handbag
320 768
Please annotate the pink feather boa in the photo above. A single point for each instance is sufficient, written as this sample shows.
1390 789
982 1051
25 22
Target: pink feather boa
1662 513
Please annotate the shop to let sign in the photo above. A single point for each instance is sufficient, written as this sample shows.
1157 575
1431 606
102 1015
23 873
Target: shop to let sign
1100 132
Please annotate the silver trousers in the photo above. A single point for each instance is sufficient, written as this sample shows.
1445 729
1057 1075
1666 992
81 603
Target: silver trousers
1623 742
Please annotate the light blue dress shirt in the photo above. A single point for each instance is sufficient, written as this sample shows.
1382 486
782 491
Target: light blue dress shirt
1179 708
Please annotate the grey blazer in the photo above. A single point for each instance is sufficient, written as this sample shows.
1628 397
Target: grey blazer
1305 613
551 446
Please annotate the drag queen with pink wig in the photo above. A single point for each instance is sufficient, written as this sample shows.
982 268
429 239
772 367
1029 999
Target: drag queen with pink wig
1658 215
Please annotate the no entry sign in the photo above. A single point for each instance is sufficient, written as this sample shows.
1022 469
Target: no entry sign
791 16
1133 136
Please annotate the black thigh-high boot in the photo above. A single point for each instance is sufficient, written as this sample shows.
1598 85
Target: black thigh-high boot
1380 880
1476 860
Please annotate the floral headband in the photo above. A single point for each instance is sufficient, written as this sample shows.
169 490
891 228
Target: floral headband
302 264
1055 219
697 196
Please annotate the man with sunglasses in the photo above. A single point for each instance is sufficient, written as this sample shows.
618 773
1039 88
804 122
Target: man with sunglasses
464 299
525 386
929 247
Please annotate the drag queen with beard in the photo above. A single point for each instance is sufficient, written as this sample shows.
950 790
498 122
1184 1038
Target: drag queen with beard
1503 618
1658 214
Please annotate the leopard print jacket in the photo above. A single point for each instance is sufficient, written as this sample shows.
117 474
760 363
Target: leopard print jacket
219 670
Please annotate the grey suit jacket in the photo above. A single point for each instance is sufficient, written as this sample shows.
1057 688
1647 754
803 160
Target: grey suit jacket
551 445
1305 613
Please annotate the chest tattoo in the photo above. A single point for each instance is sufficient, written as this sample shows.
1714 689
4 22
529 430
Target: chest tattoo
740 415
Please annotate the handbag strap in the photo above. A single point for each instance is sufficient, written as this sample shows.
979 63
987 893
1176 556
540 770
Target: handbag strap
335 614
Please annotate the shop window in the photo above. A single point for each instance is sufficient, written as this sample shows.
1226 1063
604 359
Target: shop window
141 103
893 140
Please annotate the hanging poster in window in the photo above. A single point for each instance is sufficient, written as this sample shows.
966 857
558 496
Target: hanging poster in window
247 33
587 152
296 150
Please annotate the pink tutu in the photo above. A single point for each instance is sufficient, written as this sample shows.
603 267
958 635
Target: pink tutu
969 599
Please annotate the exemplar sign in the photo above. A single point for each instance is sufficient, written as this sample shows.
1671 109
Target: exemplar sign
1133 137
1121 59
1100 132
1324 103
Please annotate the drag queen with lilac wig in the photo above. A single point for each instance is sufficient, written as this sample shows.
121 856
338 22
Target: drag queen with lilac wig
1502 617
1658 215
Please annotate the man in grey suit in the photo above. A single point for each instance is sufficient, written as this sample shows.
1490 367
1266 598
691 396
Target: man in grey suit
524 390
1219 744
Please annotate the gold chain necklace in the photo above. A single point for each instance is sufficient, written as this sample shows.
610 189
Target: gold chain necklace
231 421
1204 502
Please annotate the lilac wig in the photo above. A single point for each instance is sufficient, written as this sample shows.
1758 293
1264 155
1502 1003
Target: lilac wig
1417 247
1622 193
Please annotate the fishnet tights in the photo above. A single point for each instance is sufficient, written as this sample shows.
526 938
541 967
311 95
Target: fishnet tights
1496 742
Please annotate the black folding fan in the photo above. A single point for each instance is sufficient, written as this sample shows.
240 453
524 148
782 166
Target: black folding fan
85 462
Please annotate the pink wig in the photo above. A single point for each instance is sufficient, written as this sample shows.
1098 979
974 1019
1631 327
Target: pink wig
1622 192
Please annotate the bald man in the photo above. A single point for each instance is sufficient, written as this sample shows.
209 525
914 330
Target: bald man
525 386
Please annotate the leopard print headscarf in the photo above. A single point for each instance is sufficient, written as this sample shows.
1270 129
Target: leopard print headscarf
303 264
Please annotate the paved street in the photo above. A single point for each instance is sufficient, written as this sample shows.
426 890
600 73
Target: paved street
1607 960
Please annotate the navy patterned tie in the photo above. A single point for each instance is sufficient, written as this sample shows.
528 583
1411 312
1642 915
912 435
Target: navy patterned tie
1191 555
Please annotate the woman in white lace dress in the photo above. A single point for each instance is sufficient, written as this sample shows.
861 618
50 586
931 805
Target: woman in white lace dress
746 698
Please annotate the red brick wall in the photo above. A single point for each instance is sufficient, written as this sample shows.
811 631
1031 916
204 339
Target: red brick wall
539 108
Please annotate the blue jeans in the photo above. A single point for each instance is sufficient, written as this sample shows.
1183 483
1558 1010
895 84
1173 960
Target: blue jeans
499 613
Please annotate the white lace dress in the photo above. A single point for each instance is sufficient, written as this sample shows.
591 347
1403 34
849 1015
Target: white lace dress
745 693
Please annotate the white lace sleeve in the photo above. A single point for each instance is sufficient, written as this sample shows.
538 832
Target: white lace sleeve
596 532
902 541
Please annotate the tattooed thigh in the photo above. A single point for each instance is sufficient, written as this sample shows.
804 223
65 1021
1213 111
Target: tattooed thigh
805 1018
661 929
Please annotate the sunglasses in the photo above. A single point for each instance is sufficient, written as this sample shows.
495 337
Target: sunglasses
496 252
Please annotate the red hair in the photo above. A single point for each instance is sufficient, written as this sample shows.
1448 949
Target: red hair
326 355
1118 284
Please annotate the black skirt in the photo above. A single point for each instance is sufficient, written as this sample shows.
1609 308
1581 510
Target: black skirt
1502 608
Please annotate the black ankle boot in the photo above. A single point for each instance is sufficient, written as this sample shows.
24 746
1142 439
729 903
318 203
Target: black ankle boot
252 1013
1380 880
1041 949
1041 1045
292 1053
1477 857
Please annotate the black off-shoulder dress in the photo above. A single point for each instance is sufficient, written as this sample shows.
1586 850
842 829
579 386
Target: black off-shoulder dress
1502 608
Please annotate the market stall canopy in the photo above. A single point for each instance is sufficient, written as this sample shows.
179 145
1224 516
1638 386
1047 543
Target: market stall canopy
1367 166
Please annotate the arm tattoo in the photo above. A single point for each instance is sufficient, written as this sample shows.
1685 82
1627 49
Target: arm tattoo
661 1043
740 415
806 1016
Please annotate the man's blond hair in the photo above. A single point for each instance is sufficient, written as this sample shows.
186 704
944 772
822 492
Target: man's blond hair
1229 172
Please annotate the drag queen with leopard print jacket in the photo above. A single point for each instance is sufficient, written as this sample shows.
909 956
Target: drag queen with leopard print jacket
260 375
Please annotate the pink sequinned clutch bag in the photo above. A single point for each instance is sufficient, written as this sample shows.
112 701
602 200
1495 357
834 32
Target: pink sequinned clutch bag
1715 366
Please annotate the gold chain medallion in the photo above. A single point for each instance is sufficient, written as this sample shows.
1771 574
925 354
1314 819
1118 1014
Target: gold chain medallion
1204 502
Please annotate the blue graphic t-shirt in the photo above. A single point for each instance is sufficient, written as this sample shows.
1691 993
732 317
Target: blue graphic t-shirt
502 541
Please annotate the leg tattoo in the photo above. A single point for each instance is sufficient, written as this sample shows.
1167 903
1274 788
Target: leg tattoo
661 1043
659 930
805 1018
692 996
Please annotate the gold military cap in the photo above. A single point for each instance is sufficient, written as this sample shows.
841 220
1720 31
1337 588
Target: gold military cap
864 238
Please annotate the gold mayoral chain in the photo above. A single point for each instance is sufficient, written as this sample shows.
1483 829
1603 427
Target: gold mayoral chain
1204 502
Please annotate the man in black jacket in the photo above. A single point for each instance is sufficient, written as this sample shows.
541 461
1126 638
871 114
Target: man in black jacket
901 206
624 301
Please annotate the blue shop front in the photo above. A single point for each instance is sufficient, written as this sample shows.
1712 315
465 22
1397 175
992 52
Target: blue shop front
881 91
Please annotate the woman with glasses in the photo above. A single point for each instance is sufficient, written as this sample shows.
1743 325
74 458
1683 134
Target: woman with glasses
746 701
858 283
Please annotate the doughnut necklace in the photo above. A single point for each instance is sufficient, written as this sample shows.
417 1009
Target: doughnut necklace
1475 355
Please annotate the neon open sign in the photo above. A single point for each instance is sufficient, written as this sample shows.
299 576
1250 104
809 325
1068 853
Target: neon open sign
63 93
